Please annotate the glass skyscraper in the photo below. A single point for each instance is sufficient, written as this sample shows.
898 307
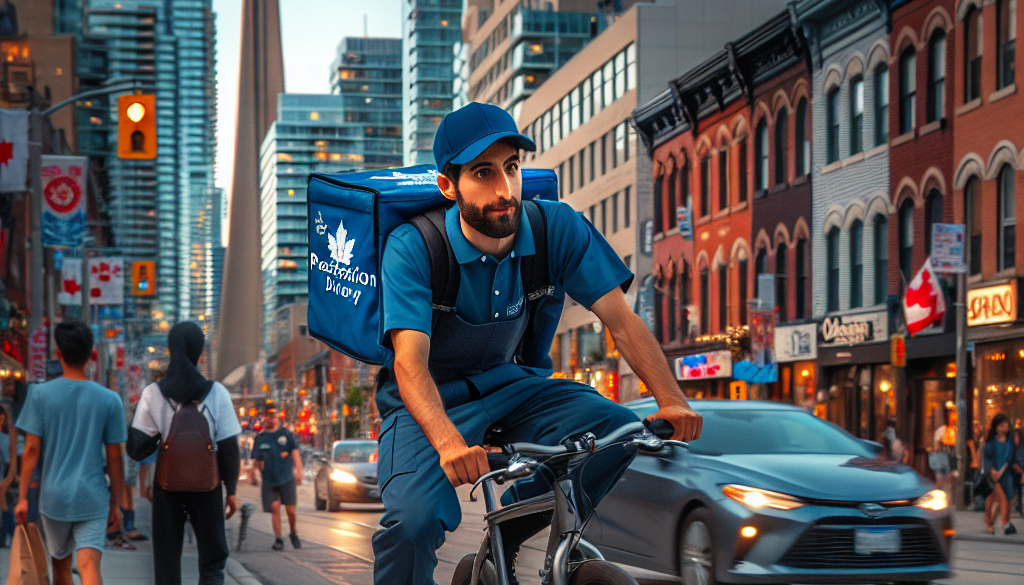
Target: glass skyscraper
367 73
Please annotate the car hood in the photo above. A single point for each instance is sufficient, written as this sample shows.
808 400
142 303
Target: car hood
843 478
360 470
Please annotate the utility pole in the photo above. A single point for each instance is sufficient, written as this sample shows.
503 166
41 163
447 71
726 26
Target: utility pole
35 281
961 391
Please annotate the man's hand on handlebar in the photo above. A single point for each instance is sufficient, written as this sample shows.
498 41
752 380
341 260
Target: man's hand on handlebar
464 465
687 423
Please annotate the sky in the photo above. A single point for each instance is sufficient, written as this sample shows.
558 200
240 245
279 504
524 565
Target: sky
310 33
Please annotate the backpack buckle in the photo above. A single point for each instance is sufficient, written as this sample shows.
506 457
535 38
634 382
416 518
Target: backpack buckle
544 291
442 308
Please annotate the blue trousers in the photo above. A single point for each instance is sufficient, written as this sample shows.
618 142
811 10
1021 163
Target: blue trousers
421 504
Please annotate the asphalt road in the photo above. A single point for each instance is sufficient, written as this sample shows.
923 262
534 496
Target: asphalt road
338 549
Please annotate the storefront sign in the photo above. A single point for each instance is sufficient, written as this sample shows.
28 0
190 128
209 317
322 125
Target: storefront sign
704 366
795 343
992 304
854 329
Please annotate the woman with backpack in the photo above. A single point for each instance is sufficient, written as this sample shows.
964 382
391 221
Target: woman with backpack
193 423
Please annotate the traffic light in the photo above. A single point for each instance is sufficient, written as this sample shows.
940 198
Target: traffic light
136 127
345 410
144 278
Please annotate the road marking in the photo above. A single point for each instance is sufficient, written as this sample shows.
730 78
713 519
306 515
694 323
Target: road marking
347 533
377 527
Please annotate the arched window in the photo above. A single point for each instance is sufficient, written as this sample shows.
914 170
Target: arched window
932 216
803 139
705 316
832 130
972 208
856 264
906 239
741 149
1006 42
659 188
856 115
801 279
723 297
1007 218
672 308
760 265
761 156
705 186
781 145
685 296
881 258
973 43
723 178
659 312
673 180
881 105
743 277
908 89
781 300
937 76
832 258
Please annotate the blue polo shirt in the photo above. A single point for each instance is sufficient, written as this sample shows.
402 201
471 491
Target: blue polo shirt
580 263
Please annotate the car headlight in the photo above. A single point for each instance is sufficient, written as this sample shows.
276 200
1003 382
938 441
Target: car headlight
342 476
757 498
935 500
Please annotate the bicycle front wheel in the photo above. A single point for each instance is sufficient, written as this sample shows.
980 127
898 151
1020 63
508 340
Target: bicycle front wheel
598 572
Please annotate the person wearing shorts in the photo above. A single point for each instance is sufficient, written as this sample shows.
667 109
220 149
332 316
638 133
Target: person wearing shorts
280 465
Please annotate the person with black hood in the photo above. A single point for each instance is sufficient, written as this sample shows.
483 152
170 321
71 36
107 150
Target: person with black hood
158 403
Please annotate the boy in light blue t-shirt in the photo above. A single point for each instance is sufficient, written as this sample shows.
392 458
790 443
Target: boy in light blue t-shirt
78 427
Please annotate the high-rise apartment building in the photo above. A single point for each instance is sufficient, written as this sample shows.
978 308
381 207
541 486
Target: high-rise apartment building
430 30
367 73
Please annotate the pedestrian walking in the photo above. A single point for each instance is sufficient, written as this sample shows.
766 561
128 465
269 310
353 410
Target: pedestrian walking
1017 467
280 466
998 456
182 390
73 423
8 472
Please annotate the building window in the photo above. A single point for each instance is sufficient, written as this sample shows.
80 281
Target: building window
705 186
803 139
881 258
781 300
704 308
973 44
760 265
781 145
615 213
593 216
673 180
832 119
832 253
659 186
723 179
604 154
856 115
1007 218
561 180
626 209
723 297
742 288
906 236
761 156
801 278
856 264
937 76
593 147
1007 42
685 296
932 216
908 89
583 159
659 313
881 105
604 217
672 308
972 206
684 188
572 174
742 170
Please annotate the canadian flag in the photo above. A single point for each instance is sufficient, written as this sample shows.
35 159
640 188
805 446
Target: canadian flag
13 150
924 302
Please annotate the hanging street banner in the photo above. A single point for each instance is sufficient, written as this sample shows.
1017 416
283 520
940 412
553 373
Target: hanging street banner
37 351
13 150
64 181
106 281
948 248
70 290
923 303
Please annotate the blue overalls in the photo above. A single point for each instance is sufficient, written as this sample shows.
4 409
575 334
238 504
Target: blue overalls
481 387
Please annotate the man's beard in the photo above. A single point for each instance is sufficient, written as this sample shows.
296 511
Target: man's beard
499 227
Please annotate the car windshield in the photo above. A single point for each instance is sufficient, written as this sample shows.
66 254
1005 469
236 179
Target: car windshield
354 452
765 432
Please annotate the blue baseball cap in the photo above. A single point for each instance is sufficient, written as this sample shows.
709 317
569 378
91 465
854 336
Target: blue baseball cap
470 130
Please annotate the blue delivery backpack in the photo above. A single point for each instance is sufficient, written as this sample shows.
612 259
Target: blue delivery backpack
350 217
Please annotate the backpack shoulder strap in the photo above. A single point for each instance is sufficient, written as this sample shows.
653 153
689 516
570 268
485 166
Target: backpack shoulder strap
534 269
444 268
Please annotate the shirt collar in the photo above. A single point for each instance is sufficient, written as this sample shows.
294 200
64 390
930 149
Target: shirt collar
465 252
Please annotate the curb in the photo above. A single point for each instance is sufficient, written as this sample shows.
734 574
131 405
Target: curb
988 538
240 573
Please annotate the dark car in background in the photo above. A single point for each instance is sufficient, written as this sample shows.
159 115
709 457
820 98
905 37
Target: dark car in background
772 494
348 476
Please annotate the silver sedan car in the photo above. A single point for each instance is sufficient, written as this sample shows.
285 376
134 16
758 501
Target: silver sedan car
348 477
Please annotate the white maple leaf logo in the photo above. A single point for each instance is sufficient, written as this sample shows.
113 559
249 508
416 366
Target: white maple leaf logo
341 249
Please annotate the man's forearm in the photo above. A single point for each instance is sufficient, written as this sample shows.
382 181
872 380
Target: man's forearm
29 458
642 352
115 469
423 401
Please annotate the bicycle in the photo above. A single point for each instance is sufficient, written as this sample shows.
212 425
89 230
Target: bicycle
569 559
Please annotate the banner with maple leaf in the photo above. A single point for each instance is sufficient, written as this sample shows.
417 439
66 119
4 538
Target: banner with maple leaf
924 302
13 150
70 290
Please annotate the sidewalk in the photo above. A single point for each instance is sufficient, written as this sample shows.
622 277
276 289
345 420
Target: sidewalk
123 567
970 525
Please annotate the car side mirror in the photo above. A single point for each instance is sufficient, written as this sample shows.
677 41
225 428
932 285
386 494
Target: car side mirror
876 448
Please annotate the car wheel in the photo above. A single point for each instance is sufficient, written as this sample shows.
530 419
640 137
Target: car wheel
696 549
318 503
333 504
598 572
464 572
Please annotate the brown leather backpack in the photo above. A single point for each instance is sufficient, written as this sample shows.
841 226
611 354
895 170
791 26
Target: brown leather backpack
187 461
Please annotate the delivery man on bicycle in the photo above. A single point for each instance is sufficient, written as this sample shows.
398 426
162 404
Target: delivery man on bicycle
456 375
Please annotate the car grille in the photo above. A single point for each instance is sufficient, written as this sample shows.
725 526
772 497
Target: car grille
831 546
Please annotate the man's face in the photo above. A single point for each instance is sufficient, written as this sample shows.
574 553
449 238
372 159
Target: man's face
489 191
270 420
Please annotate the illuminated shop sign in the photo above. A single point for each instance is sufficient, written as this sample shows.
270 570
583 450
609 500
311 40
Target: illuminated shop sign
992 304
855 329
795 343
704 366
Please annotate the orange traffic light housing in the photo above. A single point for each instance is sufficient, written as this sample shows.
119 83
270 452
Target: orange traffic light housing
136 127
144 278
